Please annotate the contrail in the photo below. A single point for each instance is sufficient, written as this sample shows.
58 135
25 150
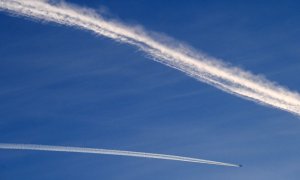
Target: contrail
69 149
206 69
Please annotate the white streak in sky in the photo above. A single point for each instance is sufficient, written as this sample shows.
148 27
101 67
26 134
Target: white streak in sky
206 69
68 149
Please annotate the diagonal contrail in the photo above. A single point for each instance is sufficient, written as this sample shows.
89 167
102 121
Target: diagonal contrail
69 149
206 69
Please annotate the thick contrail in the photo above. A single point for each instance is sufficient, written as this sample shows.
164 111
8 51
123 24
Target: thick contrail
206 69
68 149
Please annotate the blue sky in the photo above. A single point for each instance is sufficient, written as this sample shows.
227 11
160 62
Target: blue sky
65 86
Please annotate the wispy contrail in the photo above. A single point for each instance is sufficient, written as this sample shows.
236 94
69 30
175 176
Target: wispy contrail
206 69
69 149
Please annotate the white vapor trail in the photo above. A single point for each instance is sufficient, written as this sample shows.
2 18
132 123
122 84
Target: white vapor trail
206 69
68 149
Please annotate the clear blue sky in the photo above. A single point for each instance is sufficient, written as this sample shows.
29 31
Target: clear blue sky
64 86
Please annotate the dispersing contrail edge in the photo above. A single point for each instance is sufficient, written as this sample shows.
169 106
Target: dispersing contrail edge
206 69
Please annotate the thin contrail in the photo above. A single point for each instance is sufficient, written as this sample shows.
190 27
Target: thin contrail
69 149
206 69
